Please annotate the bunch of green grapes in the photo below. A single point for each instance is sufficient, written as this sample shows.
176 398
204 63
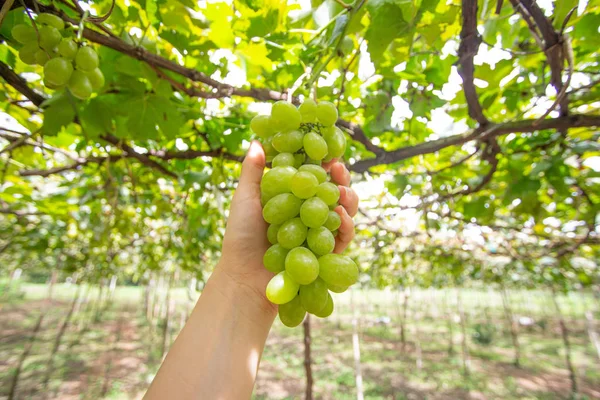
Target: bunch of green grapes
65 63
298 203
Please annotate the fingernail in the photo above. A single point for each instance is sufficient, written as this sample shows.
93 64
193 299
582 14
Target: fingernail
342 190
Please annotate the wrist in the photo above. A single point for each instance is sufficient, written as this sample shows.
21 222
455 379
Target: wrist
245 292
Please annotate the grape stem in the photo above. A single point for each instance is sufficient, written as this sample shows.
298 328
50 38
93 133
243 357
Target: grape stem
5 9
319 69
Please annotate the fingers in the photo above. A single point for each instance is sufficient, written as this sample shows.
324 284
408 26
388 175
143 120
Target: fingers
327 166
252 170
349 199
345 231
339 174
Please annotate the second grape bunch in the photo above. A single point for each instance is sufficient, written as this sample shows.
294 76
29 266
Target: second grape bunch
299 202
65 64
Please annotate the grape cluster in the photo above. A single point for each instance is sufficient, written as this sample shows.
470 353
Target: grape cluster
64 62
298 203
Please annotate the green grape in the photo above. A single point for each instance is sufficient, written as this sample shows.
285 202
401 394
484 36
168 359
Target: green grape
292 313
336 143
327 113
50 20
96 79
347 45
334 233
292 233
261 126
316 170
284 160
333 221
281 208
313 296
49 37
336 288
281 288
270 151
304 184
336 269
329 193
327 310
285 117
86 59
23 33
310 161
287 142
80 85
315 146
298 160
302 265
320 240
27 53
58 71
274 258
41 57
272 233
308 110
53 87
314 212
276 181
67 48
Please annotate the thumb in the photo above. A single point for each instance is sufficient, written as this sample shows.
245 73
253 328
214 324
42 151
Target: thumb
252 169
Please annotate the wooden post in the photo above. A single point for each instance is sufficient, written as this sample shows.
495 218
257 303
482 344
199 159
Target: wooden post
356 351
15 380
57 342
463 327
589 317
307 359
514 332
565 337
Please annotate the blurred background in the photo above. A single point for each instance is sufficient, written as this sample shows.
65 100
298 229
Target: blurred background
473 142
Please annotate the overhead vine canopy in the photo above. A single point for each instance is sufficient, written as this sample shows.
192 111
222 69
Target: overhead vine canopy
478 114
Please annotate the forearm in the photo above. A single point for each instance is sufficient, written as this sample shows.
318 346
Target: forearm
217 353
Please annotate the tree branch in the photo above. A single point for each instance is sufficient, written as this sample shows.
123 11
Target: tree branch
20 84
192 154
523 126
71 167
469 45
553 47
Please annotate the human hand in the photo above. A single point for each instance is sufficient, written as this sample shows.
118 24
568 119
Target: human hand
245 240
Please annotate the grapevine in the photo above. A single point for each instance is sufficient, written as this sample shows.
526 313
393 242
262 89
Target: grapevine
298 203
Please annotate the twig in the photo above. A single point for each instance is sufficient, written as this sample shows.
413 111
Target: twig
5 9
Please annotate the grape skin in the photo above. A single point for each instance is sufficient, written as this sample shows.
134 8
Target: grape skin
336 269
281 288
292 233
314 212
274 258
304 184
302 265
281 208
58 71
320 240
86 59
292 313
80 85
333 221
23 33
313 296
327 310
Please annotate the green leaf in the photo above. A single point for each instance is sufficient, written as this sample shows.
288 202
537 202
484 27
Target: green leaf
561 9
59 113
387 23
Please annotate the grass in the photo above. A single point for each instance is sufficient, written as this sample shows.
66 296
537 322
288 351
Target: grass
389 367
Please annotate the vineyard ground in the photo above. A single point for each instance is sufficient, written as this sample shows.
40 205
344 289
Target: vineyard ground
111 350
